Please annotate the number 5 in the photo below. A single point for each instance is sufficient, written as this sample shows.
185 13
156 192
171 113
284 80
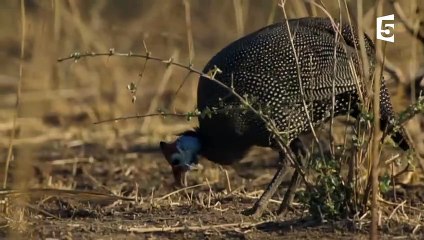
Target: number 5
385 31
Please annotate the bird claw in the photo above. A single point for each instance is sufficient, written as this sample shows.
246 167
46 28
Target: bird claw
254 212
249 211
284 210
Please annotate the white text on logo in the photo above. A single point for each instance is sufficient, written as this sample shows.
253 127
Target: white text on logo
385 30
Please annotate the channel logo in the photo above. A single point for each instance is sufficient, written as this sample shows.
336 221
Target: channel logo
386 28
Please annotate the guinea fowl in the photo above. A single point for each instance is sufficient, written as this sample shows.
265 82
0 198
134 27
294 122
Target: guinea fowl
296 88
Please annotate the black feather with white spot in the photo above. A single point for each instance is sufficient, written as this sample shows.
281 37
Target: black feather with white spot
262 65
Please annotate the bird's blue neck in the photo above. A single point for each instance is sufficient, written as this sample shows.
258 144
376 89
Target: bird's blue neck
189 143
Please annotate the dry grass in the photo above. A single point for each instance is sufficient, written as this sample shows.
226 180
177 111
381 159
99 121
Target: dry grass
76 179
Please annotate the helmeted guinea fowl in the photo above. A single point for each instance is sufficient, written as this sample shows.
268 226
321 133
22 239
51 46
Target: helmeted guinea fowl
296 88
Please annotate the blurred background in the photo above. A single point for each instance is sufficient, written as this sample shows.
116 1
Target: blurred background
95 89
60 101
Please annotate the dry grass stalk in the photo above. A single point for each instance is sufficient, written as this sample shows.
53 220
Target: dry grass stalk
180 190
77 194
232 226
375 148
18 94
238 13
154 104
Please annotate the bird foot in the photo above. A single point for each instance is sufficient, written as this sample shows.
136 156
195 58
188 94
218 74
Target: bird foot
284 210
254 212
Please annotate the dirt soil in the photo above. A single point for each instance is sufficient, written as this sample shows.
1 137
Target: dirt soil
128 193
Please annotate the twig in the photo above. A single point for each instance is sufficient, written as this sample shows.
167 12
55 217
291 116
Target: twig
405 206
392 159
145 115
180 190
375 147
393 70
60 192
299 76
414 231
396 208
411 111
406 169
18 96
228 180
189 30
72 161
249 196
133 88
41 211
238 14
195 228
154 103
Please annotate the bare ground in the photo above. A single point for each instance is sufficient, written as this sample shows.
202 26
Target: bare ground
83 190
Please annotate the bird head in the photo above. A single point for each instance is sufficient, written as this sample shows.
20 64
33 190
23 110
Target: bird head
182 154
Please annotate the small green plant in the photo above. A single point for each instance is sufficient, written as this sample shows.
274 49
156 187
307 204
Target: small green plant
331 198
385 183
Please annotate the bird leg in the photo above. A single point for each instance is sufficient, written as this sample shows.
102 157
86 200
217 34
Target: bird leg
299 150
261 204
297 147
289 195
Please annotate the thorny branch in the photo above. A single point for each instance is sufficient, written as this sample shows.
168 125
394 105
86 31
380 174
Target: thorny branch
211 76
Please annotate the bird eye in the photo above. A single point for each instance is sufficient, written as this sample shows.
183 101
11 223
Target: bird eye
176 160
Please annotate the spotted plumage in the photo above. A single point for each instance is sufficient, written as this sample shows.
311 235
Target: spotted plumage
263 65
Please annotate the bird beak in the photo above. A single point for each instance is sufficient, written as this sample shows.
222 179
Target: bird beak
179 172
181 158
180 176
